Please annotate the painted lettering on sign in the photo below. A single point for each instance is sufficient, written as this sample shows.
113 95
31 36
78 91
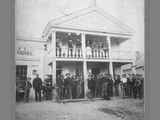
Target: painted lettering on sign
24 51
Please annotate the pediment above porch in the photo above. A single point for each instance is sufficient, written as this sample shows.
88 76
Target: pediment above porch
91 19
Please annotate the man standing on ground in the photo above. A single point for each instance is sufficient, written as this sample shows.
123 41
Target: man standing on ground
105 87
28 86
116 85
37 86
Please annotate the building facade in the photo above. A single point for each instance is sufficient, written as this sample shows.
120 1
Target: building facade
84 42
29 58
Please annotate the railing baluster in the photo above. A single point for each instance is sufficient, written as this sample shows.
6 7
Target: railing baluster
95 53
58 52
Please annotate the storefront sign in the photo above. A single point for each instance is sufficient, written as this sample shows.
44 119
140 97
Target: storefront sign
23 51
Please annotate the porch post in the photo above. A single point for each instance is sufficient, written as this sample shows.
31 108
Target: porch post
84 64
53 46
108 38
85 78
109 46
83 45
111 68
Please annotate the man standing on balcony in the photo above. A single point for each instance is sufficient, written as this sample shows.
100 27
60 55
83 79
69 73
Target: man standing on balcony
78 48
70 48
64 50
58 48
88 49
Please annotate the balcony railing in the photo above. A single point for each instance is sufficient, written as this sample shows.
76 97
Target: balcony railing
93 54
69 52
97 53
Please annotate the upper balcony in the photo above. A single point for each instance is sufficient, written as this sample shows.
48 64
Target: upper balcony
93 47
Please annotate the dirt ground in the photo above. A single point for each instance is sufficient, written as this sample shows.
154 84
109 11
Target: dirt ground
115 109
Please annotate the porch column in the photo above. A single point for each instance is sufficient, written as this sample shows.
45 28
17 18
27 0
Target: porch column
84 64
53 46
83 45
85 78
111 68
109 45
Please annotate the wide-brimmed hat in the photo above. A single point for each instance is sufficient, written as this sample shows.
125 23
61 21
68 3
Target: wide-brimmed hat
67 73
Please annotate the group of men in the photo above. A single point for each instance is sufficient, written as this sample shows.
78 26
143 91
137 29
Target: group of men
69 86
38 87
133 86
72 86
100 85
71 49
103 85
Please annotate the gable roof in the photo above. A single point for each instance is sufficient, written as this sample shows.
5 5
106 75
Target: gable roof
90 19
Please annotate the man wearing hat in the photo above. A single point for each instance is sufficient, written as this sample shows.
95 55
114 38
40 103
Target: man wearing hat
37 86
68 86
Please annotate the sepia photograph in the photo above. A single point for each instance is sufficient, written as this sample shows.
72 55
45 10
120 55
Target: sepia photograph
79 59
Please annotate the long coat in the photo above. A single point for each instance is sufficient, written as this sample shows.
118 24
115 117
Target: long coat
105 89
37 84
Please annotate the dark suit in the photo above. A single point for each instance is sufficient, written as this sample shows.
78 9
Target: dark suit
37 86
28 85
68 87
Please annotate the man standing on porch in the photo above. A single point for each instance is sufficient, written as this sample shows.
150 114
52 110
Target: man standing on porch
70 48
68 86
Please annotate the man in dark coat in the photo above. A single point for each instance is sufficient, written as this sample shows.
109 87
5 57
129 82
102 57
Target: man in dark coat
105 87
116 84
110 86
60 83
98 85
68 86
28 86
37 86
141 88
134 86
70 48
91 85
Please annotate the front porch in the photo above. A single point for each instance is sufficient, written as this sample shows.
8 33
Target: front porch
82 69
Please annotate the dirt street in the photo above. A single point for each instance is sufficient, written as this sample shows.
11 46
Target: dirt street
115 109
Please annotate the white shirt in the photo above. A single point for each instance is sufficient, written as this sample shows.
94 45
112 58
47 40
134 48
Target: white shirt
124 80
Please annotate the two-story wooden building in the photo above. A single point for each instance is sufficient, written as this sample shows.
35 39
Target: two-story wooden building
87 41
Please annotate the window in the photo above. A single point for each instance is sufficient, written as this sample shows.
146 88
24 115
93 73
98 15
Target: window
21 71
